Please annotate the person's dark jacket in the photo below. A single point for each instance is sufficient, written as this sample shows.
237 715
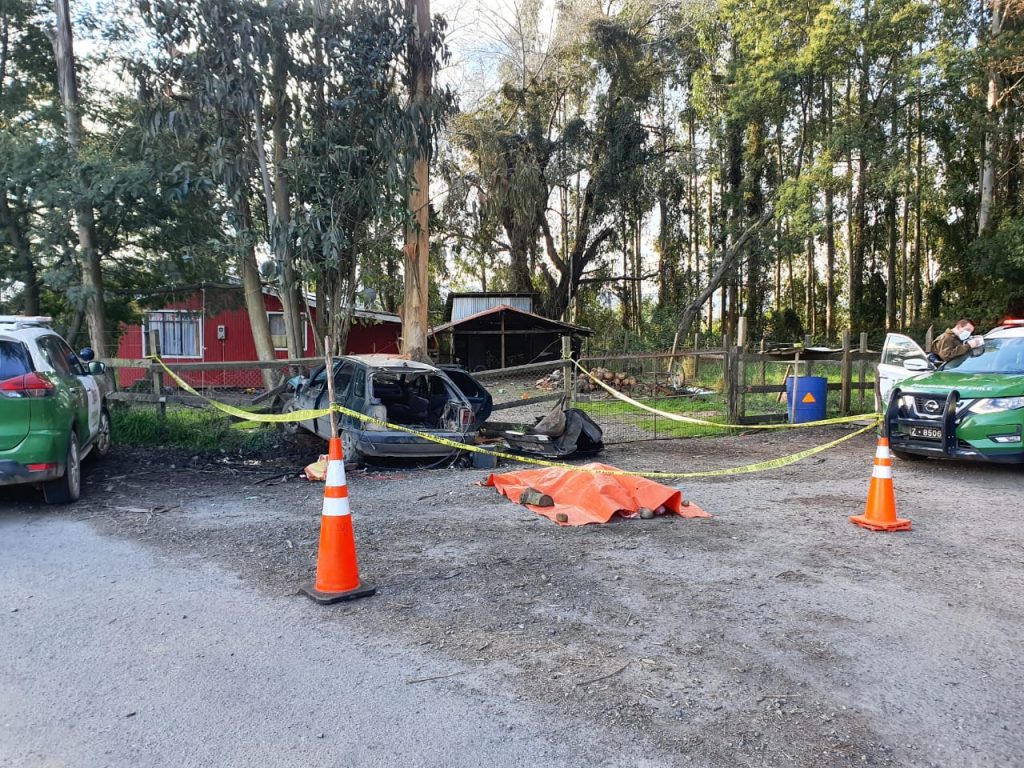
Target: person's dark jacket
948 345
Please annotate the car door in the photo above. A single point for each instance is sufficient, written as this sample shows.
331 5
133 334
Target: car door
478 396
66 365
891 370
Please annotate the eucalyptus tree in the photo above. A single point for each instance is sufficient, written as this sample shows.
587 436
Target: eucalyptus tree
29 140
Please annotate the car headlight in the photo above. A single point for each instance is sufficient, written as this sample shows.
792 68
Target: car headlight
997 404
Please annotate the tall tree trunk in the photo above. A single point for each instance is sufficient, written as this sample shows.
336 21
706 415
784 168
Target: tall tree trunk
859 244
890 261
291 298
830 227
92 274
417 238
988 168
252 290
26 266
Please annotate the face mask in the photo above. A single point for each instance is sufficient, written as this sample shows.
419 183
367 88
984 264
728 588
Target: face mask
964 335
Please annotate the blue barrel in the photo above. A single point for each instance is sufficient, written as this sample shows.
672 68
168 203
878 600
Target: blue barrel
808 402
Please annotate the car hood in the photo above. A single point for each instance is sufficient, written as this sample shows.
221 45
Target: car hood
969 385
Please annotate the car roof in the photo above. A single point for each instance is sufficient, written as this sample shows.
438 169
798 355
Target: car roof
391 362
19 327
1014 330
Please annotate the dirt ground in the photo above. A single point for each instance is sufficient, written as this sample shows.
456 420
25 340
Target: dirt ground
774 633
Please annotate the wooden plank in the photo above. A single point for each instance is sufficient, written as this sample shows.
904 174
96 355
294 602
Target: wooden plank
767 389
227 365
500 373
528 401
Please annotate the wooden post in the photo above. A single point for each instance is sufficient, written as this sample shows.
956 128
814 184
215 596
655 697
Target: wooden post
761 364
847 376
502 338
741 367
329 370
154 349
808 340
928 336
733 383
792 401
863 367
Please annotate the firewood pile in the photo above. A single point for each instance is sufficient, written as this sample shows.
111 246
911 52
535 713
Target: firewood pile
619 380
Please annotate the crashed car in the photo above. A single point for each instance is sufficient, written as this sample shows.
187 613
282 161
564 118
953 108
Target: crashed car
443 403
971 407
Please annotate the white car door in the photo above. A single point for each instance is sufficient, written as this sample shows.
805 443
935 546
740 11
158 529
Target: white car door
892 369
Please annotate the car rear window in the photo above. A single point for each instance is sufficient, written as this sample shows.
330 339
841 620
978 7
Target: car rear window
14 360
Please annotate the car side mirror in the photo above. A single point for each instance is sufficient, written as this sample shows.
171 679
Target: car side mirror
87 354
96 368
916 364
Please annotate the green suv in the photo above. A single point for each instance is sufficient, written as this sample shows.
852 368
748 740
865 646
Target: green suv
52 409
971 407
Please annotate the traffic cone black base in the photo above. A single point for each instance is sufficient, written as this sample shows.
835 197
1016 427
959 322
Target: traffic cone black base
326 598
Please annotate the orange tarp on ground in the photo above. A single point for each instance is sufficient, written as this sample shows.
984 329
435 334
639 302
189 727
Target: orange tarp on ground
587 497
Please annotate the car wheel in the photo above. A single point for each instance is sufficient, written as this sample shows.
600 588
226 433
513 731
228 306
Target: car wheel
908 456
290 428
349 448
101 447
66 489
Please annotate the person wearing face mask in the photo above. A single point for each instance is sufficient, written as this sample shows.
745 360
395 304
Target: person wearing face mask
956 341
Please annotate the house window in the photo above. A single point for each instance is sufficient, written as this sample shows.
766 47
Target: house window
179 334
280 335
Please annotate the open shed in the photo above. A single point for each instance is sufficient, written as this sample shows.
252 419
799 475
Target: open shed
504 336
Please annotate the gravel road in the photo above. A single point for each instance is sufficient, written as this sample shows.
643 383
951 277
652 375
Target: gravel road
774 633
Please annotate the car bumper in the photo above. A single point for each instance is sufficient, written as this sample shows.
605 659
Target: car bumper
15 473
39 447
397 444
954 438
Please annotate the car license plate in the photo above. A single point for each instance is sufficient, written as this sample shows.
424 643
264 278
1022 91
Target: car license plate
928 433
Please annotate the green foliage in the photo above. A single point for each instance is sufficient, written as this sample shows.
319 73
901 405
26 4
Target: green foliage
191 429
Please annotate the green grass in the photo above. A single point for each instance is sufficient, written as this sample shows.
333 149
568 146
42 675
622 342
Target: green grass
190 428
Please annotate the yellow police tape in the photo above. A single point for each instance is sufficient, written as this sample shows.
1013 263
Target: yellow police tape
691 420
309 414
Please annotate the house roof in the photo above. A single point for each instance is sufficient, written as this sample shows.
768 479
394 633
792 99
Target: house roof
491 319
234 283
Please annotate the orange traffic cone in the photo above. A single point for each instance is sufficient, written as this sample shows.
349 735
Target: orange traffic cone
337 572
880 511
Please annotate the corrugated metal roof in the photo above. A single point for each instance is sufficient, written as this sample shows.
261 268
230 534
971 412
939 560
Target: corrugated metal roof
555 325
466 306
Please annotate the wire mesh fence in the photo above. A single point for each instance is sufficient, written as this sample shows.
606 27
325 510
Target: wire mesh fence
688 383
709 385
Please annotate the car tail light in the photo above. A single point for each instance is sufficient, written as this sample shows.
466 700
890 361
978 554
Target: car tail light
379 412
29 385
41 467
465 417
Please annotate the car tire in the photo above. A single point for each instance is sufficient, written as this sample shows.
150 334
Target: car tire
904 456
101 446
68 487
289 428
350 450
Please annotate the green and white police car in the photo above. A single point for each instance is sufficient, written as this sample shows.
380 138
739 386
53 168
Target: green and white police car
971 407
52 409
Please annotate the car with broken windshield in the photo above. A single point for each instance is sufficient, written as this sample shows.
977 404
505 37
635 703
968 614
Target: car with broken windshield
440 403
971 407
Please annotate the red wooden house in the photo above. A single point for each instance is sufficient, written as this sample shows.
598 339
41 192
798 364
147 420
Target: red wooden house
212 326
